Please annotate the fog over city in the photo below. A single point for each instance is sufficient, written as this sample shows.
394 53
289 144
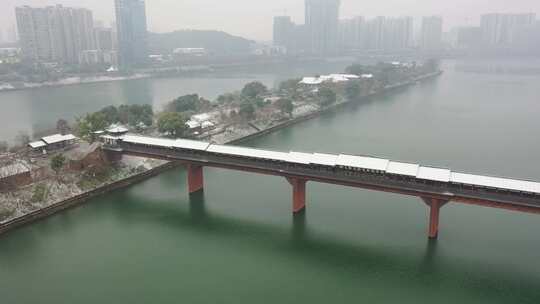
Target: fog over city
253 18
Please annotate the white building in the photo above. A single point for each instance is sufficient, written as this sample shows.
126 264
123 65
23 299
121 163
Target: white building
201 121
190 51
53 142
333 78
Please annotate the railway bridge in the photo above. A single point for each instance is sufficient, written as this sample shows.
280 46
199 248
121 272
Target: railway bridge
436 187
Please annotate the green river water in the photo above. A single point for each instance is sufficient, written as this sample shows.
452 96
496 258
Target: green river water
239 243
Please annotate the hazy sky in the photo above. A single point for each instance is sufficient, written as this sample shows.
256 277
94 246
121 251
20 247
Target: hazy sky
253 18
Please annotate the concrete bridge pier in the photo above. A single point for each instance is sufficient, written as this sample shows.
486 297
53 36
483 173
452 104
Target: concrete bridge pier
435 206
195 178
299 194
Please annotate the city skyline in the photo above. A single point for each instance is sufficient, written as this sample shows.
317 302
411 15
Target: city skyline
260 13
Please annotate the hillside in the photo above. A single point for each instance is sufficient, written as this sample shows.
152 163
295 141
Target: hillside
214 41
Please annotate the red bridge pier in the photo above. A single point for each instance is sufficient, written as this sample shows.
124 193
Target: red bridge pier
435 206
299 194
195 178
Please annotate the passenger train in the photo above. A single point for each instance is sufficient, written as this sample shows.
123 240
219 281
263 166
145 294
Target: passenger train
343 164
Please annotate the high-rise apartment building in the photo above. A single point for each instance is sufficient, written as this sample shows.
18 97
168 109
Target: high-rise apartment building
469 37
132 32
351 33
27 24
500 29
431 35
105 39
374 36
322 25
55 33
284 32
380 33
398 33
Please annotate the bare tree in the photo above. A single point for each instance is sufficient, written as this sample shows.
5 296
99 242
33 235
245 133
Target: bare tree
4 146
22 139
62 126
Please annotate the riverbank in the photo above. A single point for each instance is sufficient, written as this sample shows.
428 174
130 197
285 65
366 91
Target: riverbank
77 80
336 106
158 72
83 197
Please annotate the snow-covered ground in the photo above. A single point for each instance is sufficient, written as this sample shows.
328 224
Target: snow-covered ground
233 133
18 203
305 109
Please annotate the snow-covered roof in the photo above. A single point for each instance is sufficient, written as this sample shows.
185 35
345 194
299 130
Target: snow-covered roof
328 78
117 129
403 169
18 167
311 80
207 124
193 124
334 78
434 174
495 182
299 158
323 159
350 76
166 143
37 144
362 162
57 138
247 152
201 117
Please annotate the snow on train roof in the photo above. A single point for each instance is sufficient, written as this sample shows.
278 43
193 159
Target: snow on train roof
311 158
391 167
403 168
362 162
299 158
495 182
163 142
434 174
247 152
323 159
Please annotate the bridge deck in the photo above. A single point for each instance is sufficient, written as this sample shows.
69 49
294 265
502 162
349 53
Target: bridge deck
357 171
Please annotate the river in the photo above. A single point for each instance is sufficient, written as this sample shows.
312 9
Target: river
36 110
239 243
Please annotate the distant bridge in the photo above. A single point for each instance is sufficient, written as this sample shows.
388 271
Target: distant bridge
435 186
